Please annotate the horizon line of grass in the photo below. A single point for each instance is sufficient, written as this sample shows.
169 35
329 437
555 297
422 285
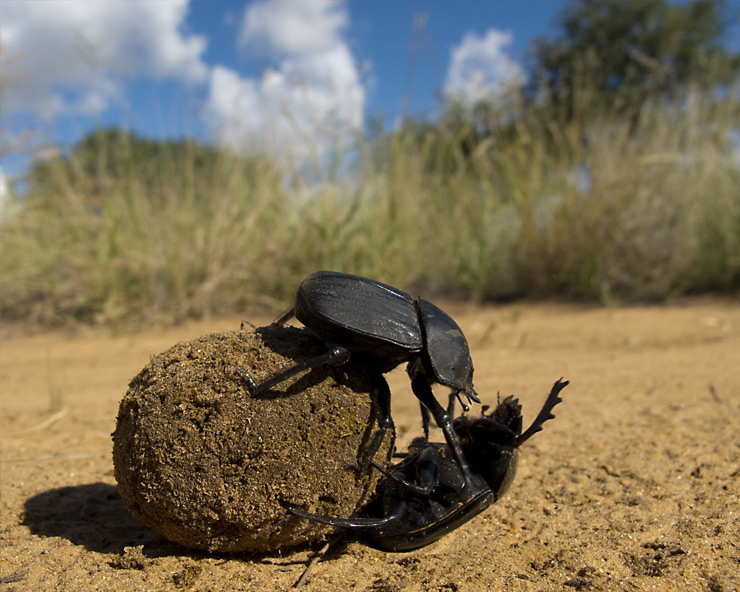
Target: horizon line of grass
607 211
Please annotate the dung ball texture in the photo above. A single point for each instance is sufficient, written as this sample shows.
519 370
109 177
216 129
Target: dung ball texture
207 465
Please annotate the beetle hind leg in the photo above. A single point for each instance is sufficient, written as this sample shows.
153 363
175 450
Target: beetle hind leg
358 522
335 356
285 317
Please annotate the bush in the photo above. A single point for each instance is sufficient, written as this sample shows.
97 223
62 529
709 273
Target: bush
518 203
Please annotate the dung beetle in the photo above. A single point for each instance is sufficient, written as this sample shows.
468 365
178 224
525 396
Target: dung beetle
426 495
381 327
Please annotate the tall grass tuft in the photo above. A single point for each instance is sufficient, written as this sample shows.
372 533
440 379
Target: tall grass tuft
155 239
601 210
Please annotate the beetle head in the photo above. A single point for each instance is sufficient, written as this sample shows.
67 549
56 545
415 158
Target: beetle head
446 353
490 443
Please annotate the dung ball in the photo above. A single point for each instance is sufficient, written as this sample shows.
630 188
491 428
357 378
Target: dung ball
207 465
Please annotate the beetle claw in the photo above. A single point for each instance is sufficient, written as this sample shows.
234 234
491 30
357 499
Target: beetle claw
248 379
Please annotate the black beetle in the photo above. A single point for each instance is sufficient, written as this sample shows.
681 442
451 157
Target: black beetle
426 496
382 327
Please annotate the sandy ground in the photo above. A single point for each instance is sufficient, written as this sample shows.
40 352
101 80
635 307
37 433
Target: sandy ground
634 486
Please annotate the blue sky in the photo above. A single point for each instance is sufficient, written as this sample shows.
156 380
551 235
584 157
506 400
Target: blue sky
288 77
258 76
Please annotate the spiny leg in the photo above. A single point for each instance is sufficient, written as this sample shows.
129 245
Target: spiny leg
357 522
425 414
285 317
347 523
335 356
545 413
424 463
425 418
423 391
381 394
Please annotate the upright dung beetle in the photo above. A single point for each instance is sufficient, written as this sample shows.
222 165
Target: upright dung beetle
382 327
426 495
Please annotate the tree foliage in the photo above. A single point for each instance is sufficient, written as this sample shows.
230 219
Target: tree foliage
616 59
627 51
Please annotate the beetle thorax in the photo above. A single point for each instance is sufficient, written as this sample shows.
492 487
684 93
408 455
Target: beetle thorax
446 352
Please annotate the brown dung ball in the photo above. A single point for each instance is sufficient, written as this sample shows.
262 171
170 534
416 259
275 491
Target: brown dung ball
208 466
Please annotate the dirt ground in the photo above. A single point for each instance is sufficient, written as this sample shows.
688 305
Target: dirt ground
634 486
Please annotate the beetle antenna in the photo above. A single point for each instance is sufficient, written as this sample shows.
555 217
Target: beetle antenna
545 413
465 406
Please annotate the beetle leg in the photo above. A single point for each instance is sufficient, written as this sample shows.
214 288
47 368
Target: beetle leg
381 394
341 522
285 317
451 407
423 391
248 379
425 463
424 420
412 369
335 356
545 413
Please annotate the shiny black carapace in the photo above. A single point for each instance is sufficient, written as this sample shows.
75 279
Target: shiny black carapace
426 496
381 327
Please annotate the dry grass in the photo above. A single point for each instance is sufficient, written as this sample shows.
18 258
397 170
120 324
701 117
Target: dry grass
657 216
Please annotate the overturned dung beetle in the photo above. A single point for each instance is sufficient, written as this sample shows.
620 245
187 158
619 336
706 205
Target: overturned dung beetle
382 327
426 495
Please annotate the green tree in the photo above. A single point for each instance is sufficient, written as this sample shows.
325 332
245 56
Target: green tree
624 52
163 169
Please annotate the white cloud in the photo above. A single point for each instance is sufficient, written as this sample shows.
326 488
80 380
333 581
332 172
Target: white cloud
3 189
6 207
71 56
67 57
480 67
293 26
311 100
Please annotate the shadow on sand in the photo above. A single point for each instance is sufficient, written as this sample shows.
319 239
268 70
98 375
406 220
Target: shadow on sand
93 516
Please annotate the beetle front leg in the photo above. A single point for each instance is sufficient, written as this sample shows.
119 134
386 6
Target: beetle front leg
424 420
545 413
423 391
454 396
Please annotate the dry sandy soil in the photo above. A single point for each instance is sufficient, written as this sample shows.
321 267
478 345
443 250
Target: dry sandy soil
634 486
